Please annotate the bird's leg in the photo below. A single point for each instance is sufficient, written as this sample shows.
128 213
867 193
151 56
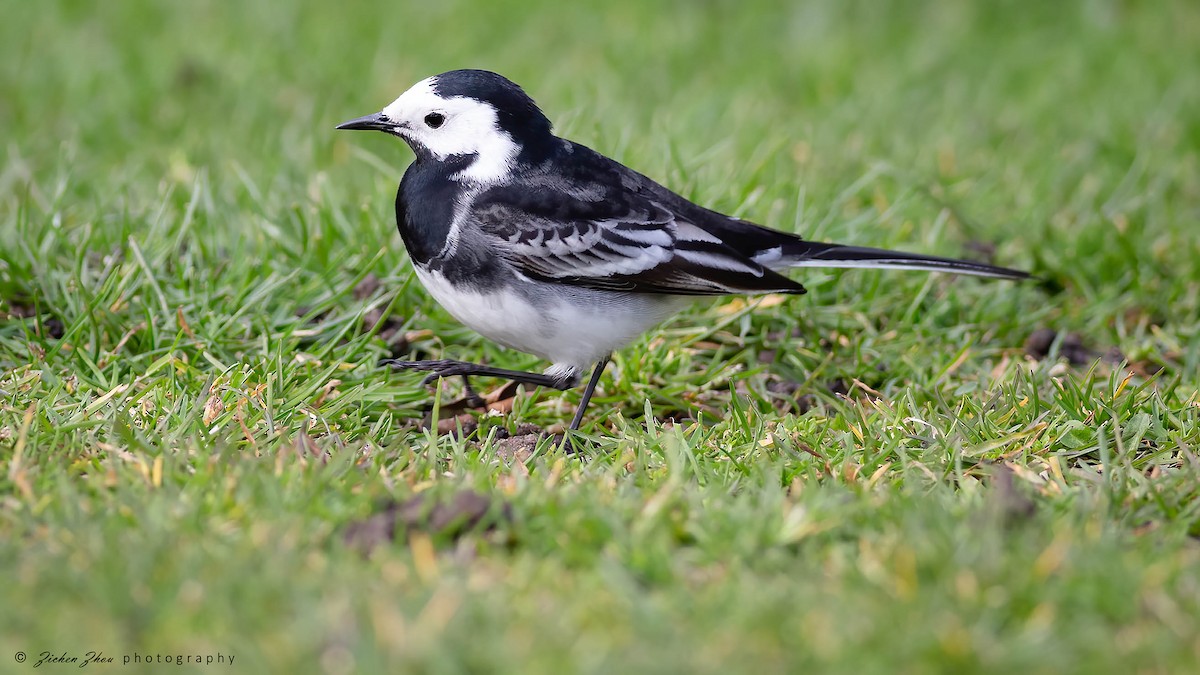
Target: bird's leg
473 399
588 391
445 368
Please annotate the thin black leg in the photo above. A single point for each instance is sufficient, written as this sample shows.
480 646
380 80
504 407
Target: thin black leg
445 368
588 391
473 399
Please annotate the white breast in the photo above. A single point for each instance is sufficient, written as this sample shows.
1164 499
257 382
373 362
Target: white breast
566 325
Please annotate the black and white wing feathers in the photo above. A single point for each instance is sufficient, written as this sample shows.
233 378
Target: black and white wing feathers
604 236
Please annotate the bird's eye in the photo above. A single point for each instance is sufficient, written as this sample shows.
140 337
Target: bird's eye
434 120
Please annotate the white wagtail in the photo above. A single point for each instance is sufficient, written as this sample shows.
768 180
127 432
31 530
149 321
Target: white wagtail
548 247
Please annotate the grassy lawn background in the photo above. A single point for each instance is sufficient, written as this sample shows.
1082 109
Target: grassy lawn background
198 277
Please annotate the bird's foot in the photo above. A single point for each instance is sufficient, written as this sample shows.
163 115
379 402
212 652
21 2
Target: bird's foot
447 368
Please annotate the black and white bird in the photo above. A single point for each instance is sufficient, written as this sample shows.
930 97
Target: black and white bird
549 247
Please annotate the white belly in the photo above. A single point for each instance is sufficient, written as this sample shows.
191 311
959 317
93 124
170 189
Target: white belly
565 325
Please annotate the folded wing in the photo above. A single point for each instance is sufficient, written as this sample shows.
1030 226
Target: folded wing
615 240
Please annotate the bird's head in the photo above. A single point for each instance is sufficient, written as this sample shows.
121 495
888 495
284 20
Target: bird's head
465 115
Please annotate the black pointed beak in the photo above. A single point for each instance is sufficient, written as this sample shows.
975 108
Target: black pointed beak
374 122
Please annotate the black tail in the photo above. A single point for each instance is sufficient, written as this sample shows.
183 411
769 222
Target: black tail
814 254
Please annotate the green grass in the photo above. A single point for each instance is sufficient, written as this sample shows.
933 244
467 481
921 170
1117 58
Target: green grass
191 417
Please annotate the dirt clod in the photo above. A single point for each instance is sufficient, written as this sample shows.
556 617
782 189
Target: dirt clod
54 328
1072 347
838 387
367 287
465 512
517 447
1038 344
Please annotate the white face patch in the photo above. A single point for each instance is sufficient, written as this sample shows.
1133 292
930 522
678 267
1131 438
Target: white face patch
468 127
